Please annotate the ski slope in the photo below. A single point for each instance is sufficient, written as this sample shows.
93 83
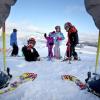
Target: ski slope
48 84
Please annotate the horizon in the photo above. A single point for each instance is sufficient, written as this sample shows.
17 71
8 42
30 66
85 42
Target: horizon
43 15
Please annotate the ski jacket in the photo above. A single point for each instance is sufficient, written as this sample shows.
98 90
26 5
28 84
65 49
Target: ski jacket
50 41
58 37
30 53
13 38
73 36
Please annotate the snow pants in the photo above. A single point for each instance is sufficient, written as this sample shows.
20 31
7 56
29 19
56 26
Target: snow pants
50 52
15 50
71 51
57 51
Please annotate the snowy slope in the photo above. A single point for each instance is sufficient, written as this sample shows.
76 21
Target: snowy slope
48 85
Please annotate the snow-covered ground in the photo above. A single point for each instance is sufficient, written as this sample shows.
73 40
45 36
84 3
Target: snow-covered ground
48 85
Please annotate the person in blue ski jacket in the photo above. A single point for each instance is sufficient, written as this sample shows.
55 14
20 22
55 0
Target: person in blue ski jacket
58 37
13 42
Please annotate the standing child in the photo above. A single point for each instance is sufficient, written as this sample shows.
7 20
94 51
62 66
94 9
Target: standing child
13 42
50 43
72 41
58 37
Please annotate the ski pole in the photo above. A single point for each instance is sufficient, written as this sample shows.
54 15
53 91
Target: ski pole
4 46
69 48
97 55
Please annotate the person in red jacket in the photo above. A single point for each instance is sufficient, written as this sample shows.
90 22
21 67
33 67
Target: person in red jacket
72 41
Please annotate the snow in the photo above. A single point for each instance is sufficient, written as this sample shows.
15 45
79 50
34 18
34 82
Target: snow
48 85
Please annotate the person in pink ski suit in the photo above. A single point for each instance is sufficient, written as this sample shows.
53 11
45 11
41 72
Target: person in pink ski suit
50 43
58 38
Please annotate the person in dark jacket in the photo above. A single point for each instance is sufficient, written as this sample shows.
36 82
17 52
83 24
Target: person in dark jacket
93 8
13 42
72 41
29 52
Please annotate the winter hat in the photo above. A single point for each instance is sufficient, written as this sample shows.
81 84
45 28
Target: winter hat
31 40
57 27
14 30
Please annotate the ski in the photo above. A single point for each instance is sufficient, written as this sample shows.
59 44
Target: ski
66 60
74 79
25 77
79 83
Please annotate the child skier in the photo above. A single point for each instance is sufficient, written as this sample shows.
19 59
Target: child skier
50 43
58 37
30 52
72 41
13 42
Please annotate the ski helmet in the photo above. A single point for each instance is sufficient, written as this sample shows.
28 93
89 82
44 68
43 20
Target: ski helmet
68 24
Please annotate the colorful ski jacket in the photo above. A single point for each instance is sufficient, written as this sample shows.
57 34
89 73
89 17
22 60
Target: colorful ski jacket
58 37
13 38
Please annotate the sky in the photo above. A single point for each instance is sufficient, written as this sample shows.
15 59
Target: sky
44 15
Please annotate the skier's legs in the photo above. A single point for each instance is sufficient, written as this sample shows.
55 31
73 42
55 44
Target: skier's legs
51 53
69 52
16 50
74 53
48 52
13 50
57 51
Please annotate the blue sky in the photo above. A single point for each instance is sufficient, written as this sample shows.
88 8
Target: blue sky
45 14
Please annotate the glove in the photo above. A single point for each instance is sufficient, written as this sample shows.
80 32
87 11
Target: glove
45 35
29 47
68 44
59 38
